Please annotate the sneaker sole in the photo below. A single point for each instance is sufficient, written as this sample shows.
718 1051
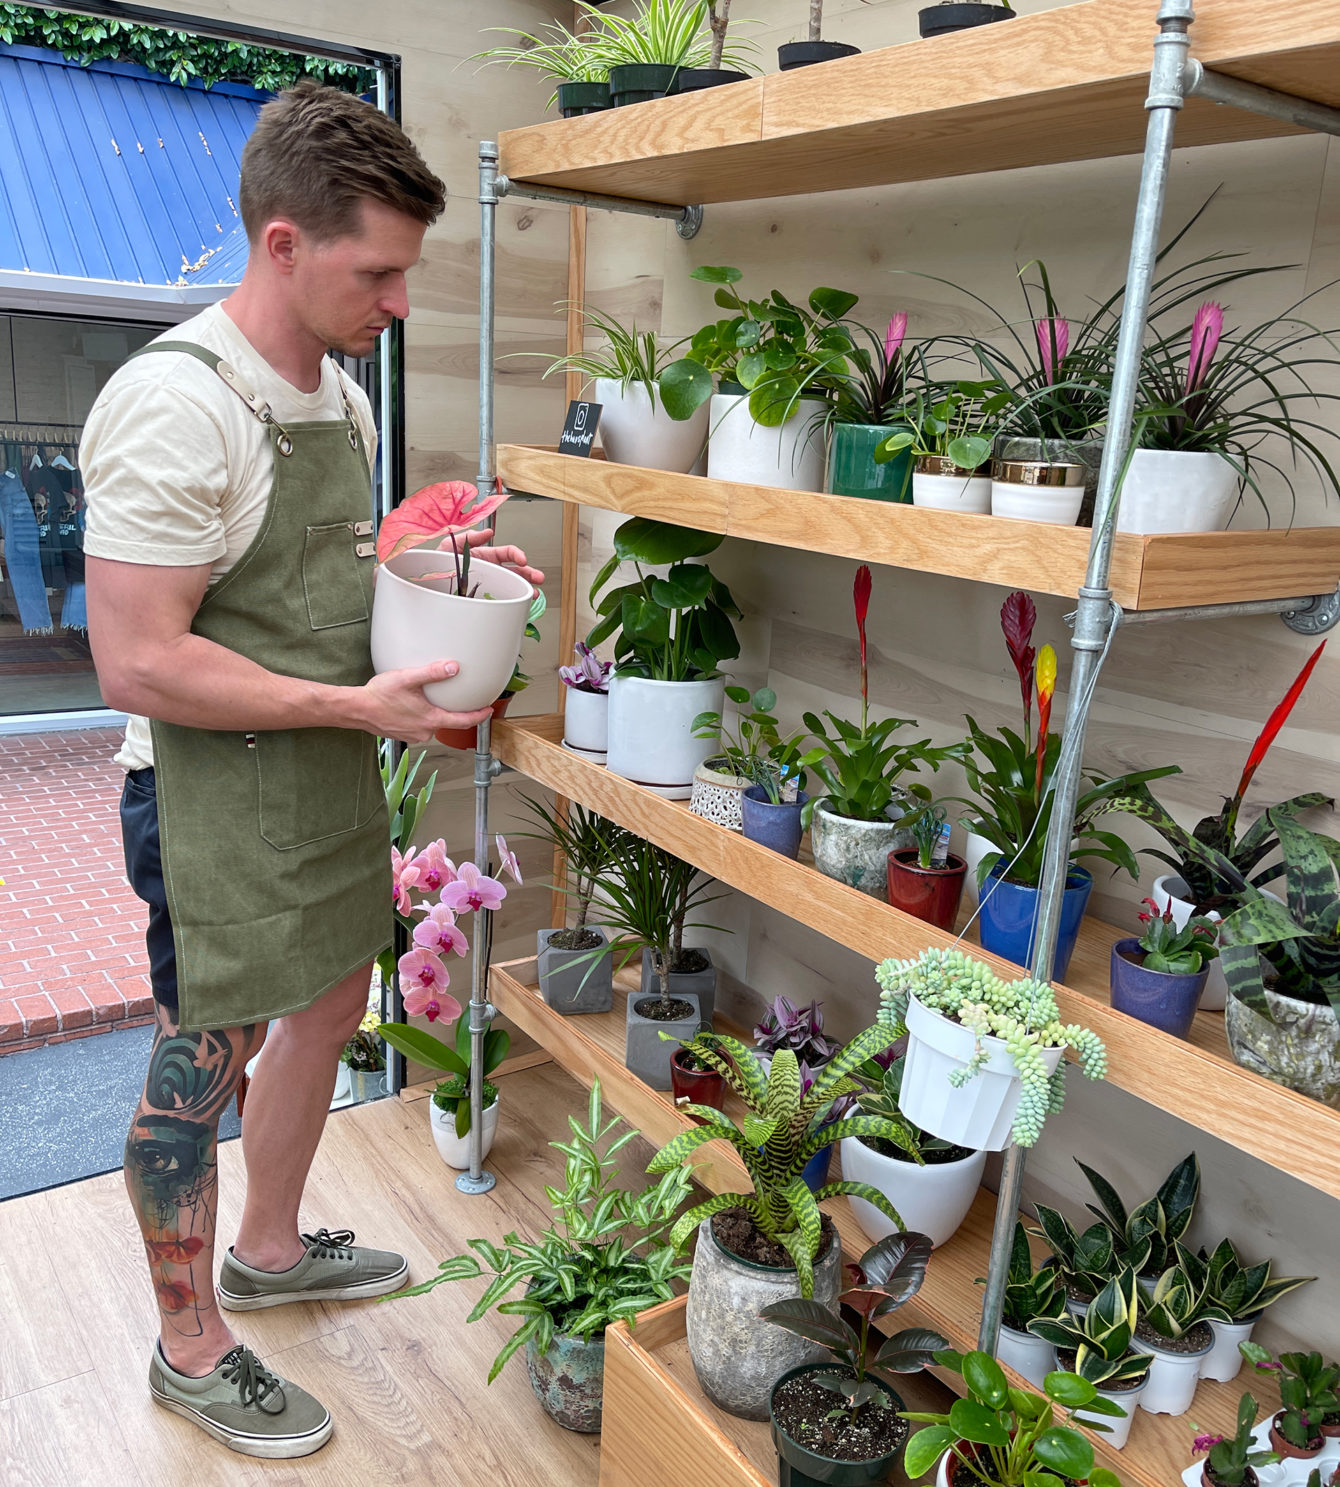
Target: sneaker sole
283 1448
377 1287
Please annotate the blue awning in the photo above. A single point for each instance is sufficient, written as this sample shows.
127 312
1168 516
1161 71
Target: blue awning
114 173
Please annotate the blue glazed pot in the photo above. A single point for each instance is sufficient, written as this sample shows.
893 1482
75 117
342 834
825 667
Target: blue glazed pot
775 826
814 1174
1160 998
1009 917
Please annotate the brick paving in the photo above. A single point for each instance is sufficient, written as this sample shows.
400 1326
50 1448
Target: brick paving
72 959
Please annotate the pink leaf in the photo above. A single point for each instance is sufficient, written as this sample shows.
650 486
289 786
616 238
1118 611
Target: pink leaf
432 513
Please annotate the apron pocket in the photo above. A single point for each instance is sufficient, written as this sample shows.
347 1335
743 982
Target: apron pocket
314 783
331 577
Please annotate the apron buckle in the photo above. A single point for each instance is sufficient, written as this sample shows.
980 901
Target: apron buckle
362 528
284 444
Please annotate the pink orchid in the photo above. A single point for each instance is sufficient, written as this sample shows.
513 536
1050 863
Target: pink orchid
436 869
472 891
893 337
423 984
1206 330
1053 343
432 513
425 1004
507 859
404 876
439 932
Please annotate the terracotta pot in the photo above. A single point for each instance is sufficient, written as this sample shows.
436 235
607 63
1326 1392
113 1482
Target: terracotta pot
464 738
1208 1480
931 894
695 1086
1286 1450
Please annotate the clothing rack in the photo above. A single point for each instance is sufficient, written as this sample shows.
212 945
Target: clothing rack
40 433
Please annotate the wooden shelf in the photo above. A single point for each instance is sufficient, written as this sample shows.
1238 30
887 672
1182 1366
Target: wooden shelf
592 1046
1164 572
1067 84
1195 1081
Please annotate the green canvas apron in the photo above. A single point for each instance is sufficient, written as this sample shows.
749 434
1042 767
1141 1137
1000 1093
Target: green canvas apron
276 844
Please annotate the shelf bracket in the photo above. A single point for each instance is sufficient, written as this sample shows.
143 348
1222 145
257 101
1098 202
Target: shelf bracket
1320 614
687 220
1200 81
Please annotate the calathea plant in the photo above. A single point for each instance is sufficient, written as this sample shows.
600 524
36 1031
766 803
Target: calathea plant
1101 1338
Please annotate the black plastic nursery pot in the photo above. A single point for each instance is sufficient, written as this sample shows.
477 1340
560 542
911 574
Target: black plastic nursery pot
939 20
695 79
576 99
798 1466
793 54
640 82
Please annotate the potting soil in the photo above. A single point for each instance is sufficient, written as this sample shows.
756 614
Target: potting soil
801 1407
738 1234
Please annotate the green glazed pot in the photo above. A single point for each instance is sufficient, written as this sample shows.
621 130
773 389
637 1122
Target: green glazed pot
852 470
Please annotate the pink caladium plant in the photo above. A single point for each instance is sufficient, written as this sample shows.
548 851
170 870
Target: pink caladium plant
589 673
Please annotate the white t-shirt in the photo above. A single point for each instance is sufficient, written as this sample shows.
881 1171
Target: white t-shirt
177 469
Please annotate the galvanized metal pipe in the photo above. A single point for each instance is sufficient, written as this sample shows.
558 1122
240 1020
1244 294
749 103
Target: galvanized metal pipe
1236 611
481 1013
488 222
1094 614
685 217
1218 87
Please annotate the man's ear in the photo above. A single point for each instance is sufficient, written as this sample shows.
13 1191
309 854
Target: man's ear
280 241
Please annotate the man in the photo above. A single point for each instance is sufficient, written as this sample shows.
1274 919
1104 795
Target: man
229 570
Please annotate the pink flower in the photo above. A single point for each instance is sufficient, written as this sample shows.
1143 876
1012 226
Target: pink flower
436 869
423 984
1205 1443
439 932
507 859
425 1004
404 876
472 891
1206 330
1053 343
893 337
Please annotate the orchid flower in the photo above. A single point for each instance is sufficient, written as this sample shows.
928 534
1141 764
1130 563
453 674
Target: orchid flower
435 512
1046 691
436 869
440 933
590 674
473 891
893 337
423 985
1206 1443
507 860
1206 330
861 599
1053 343
1018 616
404 876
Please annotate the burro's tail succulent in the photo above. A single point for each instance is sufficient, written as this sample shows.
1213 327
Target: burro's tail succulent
1022 1014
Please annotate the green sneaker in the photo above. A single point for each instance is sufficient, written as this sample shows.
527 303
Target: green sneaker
244 1405
333 1269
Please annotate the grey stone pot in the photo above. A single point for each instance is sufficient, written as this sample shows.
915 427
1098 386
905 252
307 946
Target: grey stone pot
856 852
1298 1046
701 984
571 981
646 1053
737 1356
1085 452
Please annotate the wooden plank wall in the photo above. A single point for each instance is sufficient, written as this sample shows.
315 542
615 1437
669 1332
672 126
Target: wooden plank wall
1190 693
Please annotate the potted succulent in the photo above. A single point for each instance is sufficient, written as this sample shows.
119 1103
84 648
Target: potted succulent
715 74
603 1259
1231 1461
646 50
838 1421
635 426
586 704
984 1056
1307 1388
870 395
671 635
693 1081
1146 1237
1004 1437
753 754
363 1059
862 813
771 1244
927 880
1242 1293
1174 1329
793 54
931 1183
574 981
1097 1347
950 444
961 15
1158 976
1029 1294
574 63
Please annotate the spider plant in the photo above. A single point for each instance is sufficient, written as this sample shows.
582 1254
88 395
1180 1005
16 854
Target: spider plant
666 33
627 356
553 51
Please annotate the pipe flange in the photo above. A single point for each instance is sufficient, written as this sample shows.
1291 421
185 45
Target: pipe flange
475 1186
1321 615
688 225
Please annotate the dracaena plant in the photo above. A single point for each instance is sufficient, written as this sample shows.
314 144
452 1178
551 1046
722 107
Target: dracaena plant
1241 1291
1029 1293
1308 1391
1154 1227
1101 1338
1173 949
1231 1458
587 843
1012 1437
782 1128
887 1276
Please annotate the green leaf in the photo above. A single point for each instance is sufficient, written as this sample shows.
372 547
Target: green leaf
1066 1451
685 386
926 1447
423 1048
642 540
986 1378
834 303
1068 1390
975 1422
709 275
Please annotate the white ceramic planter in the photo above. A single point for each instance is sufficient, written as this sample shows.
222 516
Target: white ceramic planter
417 623
967 493
931 1200
453 1149
1223 1362
1034 490
635 429
1170 891
975 847
1177 490
1033 1357
586 717
790 457
981 1113
1172 1379
651 737
1119 1427
343 1090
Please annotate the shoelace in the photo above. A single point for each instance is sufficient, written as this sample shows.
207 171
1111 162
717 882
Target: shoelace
328 1246
255 1383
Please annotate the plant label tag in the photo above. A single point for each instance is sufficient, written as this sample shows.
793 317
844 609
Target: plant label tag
579 428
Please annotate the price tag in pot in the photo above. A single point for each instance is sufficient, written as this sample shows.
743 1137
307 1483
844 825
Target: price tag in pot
579 428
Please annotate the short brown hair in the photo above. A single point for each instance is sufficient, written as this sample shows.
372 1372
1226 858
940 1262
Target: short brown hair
316 152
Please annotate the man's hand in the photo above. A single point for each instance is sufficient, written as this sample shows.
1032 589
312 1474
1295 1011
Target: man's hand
505 557
395 706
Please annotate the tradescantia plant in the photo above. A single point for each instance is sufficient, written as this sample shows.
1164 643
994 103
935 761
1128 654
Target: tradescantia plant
1101 1338
801 1029
1241 1291
782 1128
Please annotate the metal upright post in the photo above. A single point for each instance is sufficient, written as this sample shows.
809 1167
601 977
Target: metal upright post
488 217
1094 614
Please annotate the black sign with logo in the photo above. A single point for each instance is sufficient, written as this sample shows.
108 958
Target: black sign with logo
579 428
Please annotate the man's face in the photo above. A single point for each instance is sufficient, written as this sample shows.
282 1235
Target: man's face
347 291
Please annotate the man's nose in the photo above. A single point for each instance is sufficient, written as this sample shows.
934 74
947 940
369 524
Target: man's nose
396 300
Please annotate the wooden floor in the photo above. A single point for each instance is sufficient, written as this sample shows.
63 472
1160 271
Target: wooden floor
404 1380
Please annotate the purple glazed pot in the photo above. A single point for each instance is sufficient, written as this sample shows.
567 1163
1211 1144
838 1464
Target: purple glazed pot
1160 998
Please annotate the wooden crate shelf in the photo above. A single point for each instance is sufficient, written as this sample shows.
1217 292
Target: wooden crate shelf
1158 572
1066 84
1197 1081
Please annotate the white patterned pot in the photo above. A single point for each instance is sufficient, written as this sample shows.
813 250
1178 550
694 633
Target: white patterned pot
586 717
1298 1047
790 457
453 1149
1177 490
635 429
1223 1362
651 738
857 852
1032 1357
716 793
932 1200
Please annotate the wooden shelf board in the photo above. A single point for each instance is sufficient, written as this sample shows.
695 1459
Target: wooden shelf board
1067 84
1195 1081
1147 572
592 1046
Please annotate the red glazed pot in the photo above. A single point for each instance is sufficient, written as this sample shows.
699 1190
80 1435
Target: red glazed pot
930 893
695 1086
464 738
1286 1450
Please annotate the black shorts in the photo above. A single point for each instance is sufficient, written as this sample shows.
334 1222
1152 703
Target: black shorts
144 870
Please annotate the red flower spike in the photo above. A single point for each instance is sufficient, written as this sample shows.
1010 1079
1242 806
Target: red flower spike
1018 616
1274 723
860 593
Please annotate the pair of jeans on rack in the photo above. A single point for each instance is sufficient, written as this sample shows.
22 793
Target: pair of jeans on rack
23 556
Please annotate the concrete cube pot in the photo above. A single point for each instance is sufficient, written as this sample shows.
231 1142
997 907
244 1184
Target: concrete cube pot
856 852
635 429
651 740
572 981
569 1380
700 984
646 1053
932 1200
737 1356
1298 1046
1033 1357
